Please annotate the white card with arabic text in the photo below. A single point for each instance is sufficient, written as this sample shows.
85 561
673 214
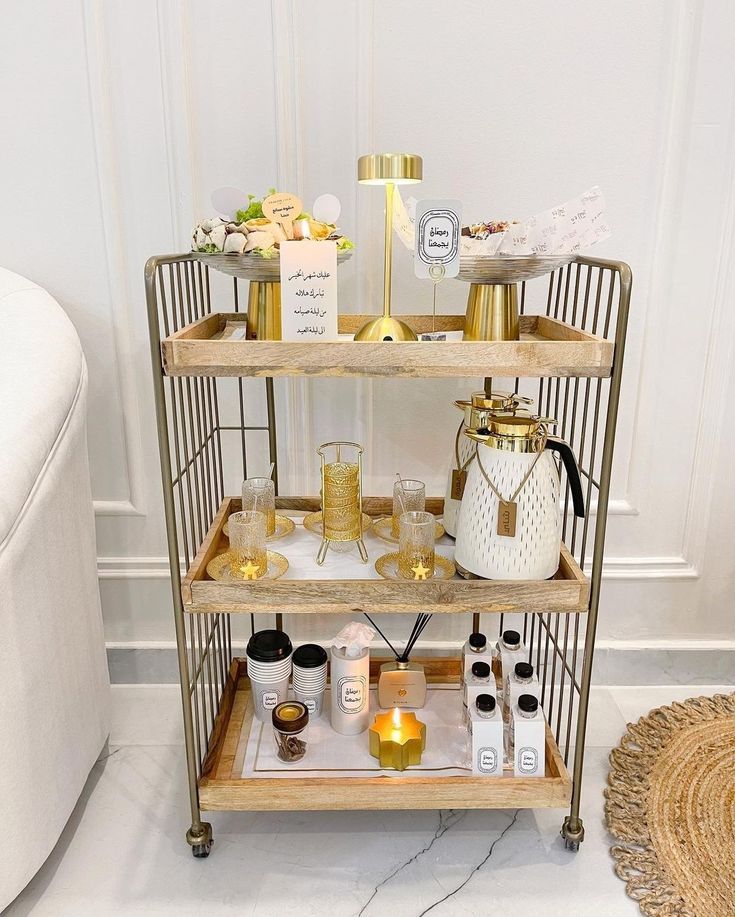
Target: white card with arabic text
308 291
438 230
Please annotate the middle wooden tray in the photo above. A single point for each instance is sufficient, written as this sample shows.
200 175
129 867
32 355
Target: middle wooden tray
566 592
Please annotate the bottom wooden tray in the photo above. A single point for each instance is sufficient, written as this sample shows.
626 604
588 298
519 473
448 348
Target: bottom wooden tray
221 785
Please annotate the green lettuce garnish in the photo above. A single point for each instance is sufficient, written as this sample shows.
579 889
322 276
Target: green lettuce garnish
269 252
254 209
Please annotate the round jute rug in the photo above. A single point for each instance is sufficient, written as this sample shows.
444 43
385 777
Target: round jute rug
670 803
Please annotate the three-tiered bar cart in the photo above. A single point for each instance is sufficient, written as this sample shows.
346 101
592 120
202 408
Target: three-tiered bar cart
573 327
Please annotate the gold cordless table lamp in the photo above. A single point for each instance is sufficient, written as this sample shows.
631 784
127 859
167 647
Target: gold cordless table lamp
389 169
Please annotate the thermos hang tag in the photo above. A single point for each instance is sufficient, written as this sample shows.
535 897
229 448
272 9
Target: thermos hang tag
459 480
507 510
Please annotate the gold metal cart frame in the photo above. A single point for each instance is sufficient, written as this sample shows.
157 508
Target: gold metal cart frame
573 328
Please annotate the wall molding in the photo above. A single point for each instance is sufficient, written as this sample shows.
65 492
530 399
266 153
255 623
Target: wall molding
617 662
297 393
118 291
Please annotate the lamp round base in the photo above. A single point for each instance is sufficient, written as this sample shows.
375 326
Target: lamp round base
386 329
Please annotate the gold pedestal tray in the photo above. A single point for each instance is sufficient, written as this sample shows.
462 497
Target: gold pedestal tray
492 304
219 569
383 528
284 526
387 567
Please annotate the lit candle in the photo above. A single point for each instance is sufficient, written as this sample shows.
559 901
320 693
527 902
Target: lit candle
397 739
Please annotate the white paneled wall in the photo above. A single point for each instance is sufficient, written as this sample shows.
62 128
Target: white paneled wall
119 120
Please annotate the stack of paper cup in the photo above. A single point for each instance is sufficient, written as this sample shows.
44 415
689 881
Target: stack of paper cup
310 676
269 667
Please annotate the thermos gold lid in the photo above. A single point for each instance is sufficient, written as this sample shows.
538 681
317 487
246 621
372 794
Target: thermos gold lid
513 431
480 407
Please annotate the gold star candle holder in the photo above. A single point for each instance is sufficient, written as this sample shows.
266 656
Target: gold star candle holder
397 739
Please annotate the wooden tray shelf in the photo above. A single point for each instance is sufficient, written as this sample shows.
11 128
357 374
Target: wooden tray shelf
567 592
548 347
222 786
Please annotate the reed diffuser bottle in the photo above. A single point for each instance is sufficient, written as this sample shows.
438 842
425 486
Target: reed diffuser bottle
402 683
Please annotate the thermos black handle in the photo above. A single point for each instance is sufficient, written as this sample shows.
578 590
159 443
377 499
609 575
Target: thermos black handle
572 469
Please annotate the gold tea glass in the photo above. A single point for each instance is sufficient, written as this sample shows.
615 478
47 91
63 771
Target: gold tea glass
248 555
259 495
408 497
416 554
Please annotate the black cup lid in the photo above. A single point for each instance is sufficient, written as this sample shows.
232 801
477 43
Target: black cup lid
309 656
269 646
480 670
528 703
524 670
478 641
511 638
485 703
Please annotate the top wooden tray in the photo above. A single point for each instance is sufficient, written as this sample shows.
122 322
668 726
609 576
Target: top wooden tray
548 347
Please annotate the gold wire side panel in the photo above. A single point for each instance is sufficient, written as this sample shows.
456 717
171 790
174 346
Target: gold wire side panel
203 429
592 295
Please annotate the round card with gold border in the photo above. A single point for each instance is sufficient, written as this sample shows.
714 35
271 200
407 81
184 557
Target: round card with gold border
284 526
387 567
383 528
219 568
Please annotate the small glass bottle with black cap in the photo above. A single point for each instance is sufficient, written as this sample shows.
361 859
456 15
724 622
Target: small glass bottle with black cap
509 650
475 649
480 680
486 736
520 680
527 737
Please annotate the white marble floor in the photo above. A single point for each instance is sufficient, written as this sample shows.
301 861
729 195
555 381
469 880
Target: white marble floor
123 851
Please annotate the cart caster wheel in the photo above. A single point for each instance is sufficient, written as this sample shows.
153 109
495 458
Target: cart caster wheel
573 833
201 851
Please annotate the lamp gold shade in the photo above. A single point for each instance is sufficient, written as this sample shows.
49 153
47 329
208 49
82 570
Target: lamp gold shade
398 168
389 169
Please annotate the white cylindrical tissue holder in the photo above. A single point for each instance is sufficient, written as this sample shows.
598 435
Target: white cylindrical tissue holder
350 679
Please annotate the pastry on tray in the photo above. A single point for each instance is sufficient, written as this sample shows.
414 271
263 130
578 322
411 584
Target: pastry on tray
251 232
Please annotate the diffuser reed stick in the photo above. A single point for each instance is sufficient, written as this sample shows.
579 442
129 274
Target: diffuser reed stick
422 619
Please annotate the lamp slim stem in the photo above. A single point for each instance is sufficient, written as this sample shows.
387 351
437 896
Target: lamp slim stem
388 257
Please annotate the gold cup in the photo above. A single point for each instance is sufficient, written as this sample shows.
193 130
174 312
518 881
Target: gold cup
416 554
408 496
259 495
248 554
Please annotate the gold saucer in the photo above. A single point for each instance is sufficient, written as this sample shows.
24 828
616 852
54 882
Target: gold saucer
284 526
313 523
383 529
387 567
220 569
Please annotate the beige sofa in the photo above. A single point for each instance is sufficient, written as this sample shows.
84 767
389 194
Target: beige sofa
54 688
